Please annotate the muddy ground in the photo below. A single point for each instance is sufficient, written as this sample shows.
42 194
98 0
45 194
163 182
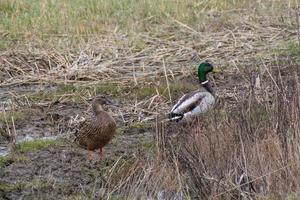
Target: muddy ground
58 167
43 94
61 168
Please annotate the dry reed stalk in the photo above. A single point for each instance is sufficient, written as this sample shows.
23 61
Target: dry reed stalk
166 76
14 135
297 15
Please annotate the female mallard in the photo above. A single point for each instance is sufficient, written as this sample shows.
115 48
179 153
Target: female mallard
197 102
97 131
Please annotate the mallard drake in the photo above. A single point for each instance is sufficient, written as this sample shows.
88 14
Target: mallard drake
98 130
198 102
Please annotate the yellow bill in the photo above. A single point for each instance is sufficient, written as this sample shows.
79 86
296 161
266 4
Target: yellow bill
215 70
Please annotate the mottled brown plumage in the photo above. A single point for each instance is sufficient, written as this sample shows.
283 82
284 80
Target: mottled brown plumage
98 130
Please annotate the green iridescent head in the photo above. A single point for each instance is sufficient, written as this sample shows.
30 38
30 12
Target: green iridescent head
203 69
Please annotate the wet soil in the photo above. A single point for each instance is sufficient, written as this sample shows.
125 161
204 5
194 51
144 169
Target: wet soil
65 171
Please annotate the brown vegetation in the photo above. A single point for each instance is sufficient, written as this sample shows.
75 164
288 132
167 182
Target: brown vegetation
50 68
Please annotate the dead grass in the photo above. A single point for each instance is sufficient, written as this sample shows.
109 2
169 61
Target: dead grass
252 152
247 147
131 57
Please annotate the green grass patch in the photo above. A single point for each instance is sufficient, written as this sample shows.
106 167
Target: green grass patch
36 184
290 49
144 92
180 88
78 93
92 16
7 187
134 128
259 113
27 146
11 158
147 146
14 115
36 145
66 20
111 88
56 93
4 160
292 197
176 89
42 184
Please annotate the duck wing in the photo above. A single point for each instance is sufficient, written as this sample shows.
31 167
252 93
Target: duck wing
84 131
187 102
88 136
96 132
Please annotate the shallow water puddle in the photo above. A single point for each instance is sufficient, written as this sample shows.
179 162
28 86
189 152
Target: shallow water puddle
4 151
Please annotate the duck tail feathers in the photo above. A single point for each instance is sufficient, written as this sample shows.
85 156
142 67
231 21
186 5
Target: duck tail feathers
174 117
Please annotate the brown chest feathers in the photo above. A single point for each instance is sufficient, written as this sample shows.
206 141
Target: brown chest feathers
97 131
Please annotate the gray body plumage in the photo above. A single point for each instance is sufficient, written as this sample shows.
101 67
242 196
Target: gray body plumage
193 104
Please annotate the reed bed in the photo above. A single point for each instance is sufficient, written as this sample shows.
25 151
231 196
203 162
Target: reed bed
249 151
248 147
